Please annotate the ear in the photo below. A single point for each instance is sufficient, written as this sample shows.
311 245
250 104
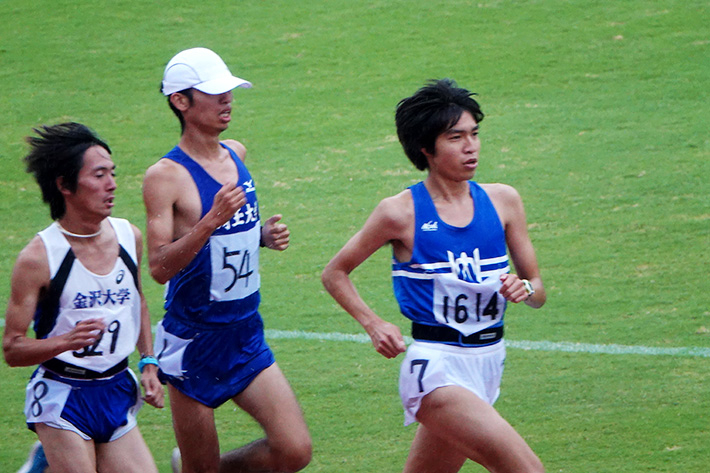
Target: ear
180 101
427 154
60 185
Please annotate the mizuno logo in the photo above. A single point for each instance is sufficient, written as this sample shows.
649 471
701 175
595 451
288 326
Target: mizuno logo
430 226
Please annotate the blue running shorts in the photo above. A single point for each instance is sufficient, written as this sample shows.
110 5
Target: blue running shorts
212 364
101 410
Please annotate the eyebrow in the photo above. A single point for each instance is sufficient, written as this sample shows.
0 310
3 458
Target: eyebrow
452 131
103 167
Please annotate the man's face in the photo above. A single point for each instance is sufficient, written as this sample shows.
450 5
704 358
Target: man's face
209 111
456 150
95 184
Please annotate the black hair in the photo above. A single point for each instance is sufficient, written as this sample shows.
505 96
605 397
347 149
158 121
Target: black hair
432 110
187 93
58 151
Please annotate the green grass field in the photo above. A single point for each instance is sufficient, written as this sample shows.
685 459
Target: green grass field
596 111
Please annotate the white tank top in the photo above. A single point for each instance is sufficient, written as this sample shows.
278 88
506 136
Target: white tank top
113 297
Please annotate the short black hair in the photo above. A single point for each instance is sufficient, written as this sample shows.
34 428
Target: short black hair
58 151
187 93
432 110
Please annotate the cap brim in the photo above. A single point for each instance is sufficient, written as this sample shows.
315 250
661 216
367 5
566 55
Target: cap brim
222 85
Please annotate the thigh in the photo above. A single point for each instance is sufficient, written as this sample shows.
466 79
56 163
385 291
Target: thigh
432 454
270 400
66 451
126 454
476 430
195 432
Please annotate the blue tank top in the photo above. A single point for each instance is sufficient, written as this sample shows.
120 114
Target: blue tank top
453 276
221 284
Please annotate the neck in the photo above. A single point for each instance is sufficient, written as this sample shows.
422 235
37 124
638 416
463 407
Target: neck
87 231
446 189
200 145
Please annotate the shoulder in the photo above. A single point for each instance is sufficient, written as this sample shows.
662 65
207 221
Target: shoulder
396 211
162 168
136 233
165 179
501 192
32 260
237 147
507 202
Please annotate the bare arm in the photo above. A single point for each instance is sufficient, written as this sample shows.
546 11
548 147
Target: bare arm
510 208
154 393
385 224
168 251
30 277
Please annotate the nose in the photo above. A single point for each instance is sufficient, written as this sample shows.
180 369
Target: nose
111 182
472 144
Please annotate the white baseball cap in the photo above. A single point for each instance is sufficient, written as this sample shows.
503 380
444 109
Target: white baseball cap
202 69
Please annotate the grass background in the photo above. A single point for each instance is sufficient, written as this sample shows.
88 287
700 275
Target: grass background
596 111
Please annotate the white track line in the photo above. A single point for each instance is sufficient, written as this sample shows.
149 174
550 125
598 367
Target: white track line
517 344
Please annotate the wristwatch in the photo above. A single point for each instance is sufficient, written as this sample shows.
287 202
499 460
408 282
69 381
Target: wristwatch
528 288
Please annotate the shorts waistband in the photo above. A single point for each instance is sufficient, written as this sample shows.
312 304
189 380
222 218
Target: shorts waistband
67 370
444 334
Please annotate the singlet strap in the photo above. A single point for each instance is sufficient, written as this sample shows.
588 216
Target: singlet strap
130 264
49 307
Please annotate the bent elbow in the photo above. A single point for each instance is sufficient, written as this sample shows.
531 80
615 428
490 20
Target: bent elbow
158 275
11 358
325 276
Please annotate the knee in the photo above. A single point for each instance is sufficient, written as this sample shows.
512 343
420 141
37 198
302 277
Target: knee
536 466
296 456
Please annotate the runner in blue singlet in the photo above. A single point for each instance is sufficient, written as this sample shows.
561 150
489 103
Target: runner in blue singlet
204 233
450 239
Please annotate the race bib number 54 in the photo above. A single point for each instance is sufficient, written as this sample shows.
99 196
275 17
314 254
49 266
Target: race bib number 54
235 265
468 307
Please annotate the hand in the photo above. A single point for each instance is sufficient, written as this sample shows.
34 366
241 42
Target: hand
387 339
513 289
275 235
84 334
154 393
227 201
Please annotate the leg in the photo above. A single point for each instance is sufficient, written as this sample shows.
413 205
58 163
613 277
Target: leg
126 454
474 428
36 461
287 446
432 454
195 433
66 451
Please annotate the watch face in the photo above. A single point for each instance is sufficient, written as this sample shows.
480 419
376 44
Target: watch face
528 287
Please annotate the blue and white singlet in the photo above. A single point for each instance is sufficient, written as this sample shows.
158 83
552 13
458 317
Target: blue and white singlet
77 294
221 284
453 276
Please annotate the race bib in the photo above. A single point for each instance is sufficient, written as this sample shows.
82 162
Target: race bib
170 351
467 306
235 265
45 399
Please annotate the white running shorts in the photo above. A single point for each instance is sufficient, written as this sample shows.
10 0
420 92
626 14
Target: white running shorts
428 366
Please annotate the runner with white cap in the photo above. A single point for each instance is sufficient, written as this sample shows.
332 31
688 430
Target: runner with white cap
204 233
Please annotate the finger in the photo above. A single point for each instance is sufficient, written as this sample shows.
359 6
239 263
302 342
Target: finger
272 220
